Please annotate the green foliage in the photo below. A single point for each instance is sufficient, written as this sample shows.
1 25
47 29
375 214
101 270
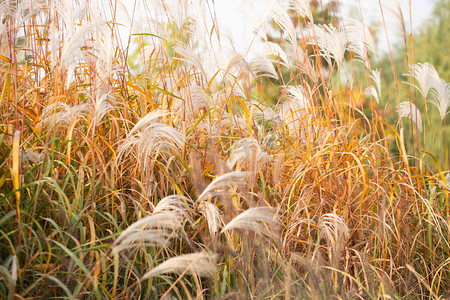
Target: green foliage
430 45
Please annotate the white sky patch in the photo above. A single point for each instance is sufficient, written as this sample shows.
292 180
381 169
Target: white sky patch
370 11
230 13
234 16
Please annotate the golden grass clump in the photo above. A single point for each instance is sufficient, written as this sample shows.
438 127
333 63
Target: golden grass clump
161 161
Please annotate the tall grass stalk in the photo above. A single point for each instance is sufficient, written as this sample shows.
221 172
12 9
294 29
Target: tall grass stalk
160 161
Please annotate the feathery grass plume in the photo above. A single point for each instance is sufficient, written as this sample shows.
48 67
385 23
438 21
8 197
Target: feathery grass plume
295 112
235 62
69 12
148 139
102 49
221 123
260 65
14 269
440 94
203 264
279 14
222 184
360 40
71 50
299 94
255 22
394 17
189 55
6 9
28 155
263 113
334 228
303 8
55 42
409 110
425 74
178 11
152 230
175 203
100 45
377 79
60 113
199 26
261 220
62 13
149 119
193 100
212 215
4 46
13 17
371 91
375 89
331 41
274 49
219 126
75 47
300 60
247 151
101 107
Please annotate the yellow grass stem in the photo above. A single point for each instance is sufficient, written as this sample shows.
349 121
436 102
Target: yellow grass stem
69 139
15 170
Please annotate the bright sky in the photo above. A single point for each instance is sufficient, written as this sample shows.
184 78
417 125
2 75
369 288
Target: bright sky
230 14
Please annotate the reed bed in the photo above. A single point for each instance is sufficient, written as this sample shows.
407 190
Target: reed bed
168 164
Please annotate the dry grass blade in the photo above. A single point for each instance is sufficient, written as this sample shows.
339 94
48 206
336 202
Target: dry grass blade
16 168
203 264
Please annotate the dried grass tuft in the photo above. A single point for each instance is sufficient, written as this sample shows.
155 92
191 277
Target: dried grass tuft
202 264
